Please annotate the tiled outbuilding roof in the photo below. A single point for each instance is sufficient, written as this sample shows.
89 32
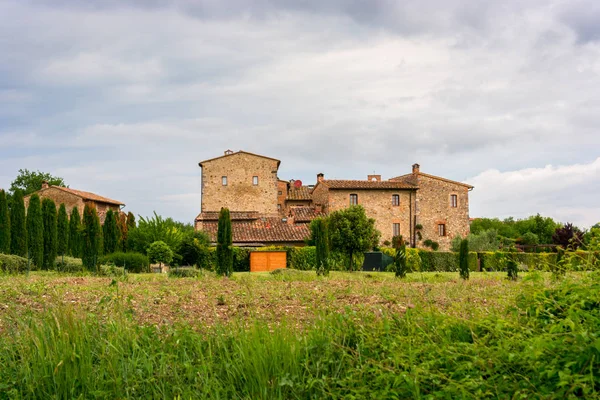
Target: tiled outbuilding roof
262 230
300 193
358 184
304 214
234 215
85 195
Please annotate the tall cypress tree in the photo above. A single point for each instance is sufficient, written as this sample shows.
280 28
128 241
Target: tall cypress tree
50 233
91 238
18 230
224 244
35 231
62 231
463 259
123 231
4 224
130 221
75 233
111 233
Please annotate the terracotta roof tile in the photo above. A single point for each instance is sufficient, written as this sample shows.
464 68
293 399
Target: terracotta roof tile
304 214
301 193
262 230
357 184
87 195
234 215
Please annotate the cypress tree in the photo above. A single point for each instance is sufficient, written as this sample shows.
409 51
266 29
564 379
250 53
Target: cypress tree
224 244
400 258
50 233
75 233
18 230
123 231
35 231
130 221
91 238
4 224
111 233
463 259
62 231
321 238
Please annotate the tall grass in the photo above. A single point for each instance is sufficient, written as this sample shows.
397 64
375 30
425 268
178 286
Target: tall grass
544 345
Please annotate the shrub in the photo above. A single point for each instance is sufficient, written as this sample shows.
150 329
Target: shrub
68 264
112 271
132 262
184 273
304 258
511 268
241 259
12 264
463 261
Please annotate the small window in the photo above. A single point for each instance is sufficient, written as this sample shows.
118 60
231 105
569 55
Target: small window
224 180
353 199
279 193
396 229
255 180
442 229
279 206
395 200
453 201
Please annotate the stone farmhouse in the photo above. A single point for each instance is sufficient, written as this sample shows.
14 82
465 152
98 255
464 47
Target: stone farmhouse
266 210
76 198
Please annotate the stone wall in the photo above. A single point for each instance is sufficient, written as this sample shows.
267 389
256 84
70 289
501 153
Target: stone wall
378 205
434 208
282 187
320 197
240 194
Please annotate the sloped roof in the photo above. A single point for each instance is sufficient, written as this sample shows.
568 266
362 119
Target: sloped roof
234 215
84 195
239 152
262 230
304 214
301 193
358 184
408 178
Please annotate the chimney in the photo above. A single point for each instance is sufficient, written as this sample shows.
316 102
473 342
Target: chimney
228 152
320 177
374 178
45 185
416 168
318 208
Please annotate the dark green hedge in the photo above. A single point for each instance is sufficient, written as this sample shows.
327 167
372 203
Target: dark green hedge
131 261
12 264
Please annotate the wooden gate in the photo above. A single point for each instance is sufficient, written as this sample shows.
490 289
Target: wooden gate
261 261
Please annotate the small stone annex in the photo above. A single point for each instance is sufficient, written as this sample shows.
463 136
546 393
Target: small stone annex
266 210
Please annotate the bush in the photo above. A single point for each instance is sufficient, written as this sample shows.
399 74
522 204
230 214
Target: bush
112 271
184 272
241 259
69 264
132 262
12 264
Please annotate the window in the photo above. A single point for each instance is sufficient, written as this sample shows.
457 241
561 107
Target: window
453 201
395 199
442 229
279 206
396 229
224 180
353 199
255 180
279 193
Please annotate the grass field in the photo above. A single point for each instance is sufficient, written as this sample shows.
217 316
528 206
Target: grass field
293 335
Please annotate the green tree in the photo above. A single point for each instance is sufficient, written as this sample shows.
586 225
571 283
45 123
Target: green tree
351 232
18 229
160 252
123 231
35 231
194 248
400 258
62 231
4 224
463 259
50 233
75 242
31 181
111 233
130 220
224 244
320 237
154 229
91 238
482 241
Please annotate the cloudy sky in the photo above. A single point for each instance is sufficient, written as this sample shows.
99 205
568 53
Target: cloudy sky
124 97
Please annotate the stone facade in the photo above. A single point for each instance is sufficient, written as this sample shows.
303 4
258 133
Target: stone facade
251 183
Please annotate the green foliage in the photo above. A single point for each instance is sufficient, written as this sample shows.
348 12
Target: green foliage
28 182
529 238
224 244
131 221
542 227
320 236
193 248
431 244
131 261
157 228
18 230
400 259
91 240
184 273
463 262
50 233
113 272
482 241
512 268
4 224
62 231
12 264
568 236
305 258
160 252
111 233
68 264
35 231
123 231
75 230
351 232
